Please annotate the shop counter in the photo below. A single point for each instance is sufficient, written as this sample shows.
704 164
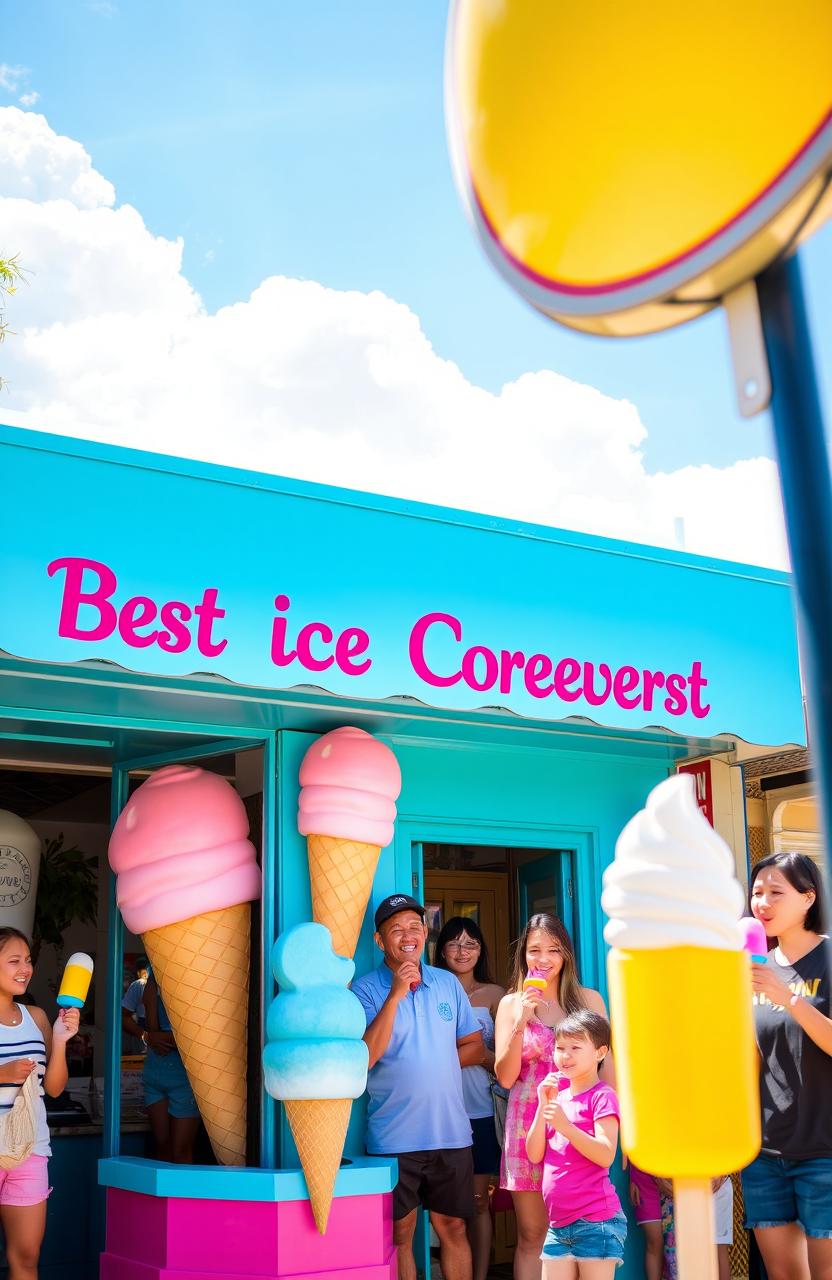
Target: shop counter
198 1222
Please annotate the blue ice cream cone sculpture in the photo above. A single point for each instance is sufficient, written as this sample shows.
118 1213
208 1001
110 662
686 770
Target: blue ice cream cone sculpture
315 1060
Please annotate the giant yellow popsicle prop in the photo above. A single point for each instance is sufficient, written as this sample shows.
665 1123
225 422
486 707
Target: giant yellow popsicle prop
627 165
679 979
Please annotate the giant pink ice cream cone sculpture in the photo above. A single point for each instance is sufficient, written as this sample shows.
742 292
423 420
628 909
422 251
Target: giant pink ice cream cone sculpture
187 874
349 786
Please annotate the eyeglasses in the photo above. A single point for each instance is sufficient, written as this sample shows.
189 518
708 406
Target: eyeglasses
463 946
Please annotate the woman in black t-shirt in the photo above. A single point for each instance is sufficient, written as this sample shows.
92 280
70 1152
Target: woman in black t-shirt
788 1188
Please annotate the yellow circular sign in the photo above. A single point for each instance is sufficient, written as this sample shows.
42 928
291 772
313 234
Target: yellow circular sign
626 165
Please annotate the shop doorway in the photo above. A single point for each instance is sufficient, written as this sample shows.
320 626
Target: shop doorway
69 799
499 887
65 783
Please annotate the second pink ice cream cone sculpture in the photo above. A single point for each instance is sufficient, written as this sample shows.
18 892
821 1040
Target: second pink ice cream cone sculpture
349 786
186 876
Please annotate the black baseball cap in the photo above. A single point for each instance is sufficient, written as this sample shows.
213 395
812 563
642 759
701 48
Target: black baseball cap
394 904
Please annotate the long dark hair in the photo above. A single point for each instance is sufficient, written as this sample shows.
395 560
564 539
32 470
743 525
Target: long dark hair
802 874
453 929
569 987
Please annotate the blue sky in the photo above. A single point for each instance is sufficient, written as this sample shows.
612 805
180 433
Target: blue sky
307 139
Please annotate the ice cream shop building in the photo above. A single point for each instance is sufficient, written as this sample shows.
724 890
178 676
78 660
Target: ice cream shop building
532 686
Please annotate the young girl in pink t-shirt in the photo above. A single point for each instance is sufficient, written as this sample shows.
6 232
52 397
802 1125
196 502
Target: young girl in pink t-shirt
575 1134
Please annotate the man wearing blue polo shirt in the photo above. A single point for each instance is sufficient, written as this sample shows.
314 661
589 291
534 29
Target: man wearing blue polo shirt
420 1033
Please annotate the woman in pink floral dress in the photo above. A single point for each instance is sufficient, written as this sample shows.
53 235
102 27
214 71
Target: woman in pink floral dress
525 1034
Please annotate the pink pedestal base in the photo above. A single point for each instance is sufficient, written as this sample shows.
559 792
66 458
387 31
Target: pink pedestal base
154 1238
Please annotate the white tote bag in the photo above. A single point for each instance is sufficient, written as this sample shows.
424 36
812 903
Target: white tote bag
18 1127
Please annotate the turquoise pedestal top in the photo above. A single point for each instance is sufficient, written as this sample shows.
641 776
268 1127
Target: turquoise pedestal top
360 1176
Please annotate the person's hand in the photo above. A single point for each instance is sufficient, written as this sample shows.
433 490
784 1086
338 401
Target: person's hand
66 1025
635 1195
766 983
556 1117
529 1000
17 1071
406 974
547 1089
159 1041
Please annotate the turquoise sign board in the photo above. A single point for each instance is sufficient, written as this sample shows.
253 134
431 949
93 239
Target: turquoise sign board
173 568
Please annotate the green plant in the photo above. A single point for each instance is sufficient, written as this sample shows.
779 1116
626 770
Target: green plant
67 892
10 274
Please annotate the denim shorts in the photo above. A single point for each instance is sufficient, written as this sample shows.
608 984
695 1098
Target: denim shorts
165 1077
585 1239
777 1192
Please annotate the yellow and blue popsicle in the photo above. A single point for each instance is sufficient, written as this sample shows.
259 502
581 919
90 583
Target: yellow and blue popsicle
75 983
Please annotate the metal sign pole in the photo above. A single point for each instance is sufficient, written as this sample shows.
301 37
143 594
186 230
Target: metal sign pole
807 500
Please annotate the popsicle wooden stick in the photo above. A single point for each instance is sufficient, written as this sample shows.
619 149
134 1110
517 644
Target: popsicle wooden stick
693 1216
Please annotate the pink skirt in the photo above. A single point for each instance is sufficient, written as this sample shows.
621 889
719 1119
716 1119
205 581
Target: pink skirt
517 1173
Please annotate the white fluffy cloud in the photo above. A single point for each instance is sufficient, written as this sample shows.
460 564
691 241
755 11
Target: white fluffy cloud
38 164
114 344
11 77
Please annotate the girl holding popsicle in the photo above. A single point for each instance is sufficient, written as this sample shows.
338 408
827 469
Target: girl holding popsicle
544 989
27 1045
788 1188
461 949
575 1134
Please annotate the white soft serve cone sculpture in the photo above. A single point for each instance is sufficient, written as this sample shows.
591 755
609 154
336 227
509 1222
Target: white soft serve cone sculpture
680 982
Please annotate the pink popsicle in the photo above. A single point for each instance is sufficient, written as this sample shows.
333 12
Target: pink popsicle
557 1088
755 941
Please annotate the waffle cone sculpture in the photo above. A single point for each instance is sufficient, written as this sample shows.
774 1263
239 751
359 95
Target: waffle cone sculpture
201 966
186 877
341 873
319 1128
315 1060
349 786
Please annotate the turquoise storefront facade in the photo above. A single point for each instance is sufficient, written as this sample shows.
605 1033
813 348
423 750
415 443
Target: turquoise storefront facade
533 684
171 568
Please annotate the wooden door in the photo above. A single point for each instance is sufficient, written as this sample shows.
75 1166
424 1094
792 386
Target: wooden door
481 896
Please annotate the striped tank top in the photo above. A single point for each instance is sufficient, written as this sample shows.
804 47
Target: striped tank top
25 1041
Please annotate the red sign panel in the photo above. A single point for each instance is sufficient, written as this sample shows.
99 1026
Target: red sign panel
701 774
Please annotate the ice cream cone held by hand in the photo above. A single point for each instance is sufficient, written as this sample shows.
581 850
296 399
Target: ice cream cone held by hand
347 810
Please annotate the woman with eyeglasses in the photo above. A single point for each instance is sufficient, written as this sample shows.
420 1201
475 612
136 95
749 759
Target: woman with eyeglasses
525 1039
461 949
